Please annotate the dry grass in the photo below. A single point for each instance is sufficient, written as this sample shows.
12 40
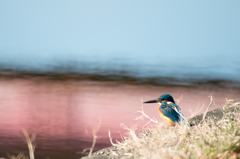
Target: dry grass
205 140
94 132
31 147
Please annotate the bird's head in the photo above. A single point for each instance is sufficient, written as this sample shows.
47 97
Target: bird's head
166 98
163 98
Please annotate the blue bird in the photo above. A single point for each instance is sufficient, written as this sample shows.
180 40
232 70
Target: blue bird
168 110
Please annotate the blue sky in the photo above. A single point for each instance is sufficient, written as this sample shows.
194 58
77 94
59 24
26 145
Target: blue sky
158 29
124 26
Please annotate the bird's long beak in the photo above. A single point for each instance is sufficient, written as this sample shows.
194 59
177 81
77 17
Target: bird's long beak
151 101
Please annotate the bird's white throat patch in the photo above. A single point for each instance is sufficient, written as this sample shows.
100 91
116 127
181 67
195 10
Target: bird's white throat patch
167 103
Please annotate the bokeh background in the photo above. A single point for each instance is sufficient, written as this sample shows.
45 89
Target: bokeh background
68 66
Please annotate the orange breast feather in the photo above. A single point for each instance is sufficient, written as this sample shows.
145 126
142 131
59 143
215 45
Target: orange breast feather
166 119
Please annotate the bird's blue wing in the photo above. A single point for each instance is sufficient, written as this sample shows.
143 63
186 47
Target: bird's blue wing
181 116
169 111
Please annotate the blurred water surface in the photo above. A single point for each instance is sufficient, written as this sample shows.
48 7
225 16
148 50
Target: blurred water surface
63 112
187 67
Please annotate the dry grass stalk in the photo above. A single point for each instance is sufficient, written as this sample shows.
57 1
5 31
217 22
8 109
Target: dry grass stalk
143 116
94 133
31 147
179 100
110 137
19 156
210 104
30 141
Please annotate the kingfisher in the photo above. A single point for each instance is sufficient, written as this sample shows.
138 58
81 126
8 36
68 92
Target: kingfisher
168 109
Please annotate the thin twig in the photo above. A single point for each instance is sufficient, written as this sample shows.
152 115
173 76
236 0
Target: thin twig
145 116
131 133
179 100
210 104
94 133
19 156
30 141
109 134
